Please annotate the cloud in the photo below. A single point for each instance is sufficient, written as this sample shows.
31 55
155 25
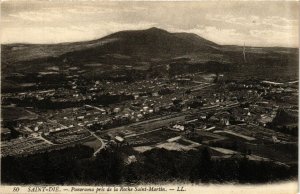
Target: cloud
102 9
38 16
280 22
251 20
274 37
222 36
258 30
60 14
69 33
255 21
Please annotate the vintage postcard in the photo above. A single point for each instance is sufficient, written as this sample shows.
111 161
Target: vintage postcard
149 96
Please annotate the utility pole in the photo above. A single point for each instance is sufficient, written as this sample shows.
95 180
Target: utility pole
244 53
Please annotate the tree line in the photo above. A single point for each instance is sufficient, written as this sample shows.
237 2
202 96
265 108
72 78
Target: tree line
75 165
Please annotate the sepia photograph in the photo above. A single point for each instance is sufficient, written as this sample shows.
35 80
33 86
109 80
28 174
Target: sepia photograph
149 96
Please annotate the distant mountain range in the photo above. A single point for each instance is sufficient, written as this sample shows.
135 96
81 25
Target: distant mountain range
152 45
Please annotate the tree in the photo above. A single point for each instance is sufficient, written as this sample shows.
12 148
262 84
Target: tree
108 166
205 165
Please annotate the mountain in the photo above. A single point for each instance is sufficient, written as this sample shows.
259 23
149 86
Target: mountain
157 42
148 43
135 47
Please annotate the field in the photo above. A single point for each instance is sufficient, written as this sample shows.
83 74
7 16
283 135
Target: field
151 138
93 143
16 113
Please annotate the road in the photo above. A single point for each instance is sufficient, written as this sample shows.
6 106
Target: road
133 135
101 140
42 138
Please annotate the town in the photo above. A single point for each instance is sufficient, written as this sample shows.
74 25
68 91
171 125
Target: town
254 118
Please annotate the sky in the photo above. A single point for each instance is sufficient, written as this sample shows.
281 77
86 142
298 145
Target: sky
255 23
